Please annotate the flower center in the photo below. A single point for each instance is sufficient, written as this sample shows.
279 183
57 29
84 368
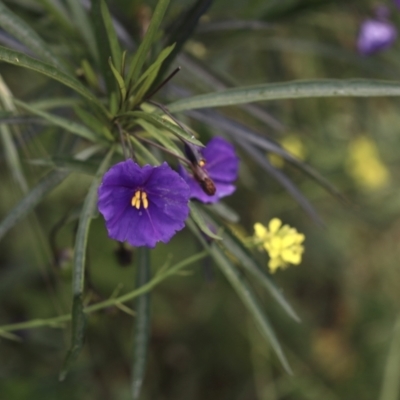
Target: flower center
139 198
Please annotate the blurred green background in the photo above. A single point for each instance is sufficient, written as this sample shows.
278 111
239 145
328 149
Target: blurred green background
203 344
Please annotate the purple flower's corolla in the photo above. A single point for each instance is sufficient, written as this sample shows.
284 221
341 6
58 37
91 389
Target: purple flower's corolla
143 205
375 35
219 163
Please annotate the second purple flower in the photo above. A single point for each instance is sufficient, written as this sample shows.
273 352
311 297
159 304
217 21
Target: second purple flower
221 164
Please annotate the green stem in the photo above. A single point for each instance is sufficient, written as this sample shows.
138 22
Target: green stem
57 321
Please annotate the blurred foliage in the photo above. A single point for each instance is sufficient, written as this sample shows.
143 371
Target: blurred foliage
203 344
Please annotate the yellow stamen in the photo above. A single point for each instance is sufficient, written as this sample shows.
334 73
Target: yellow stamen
202 163
135 202
145 201
139 198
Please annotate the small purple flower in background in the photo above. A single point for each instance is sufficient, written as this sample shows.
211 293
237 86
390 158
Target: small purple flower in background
376 34
221 164
397 3
143 205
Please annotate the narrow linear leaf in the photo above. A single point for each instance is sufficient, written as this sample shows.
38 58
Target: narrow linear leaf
95 124
48 183
183 29
22 60
78 272
26 35
144 152
12 158
160 136
195 213
249 299
155 66
234 128
142 323
290 90
119 79
10 149
391 384
10 336
57 10
56 102
150 75
222 210
112 36
234 246
213 81
84 26
67 164
67 124
78 333
31 200
103 46
57 322
162 123
141 53
88 209
282 179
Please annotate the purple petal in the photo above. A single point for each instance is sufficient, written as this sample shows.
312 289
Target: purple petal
196 191
221 164
375 36
167 194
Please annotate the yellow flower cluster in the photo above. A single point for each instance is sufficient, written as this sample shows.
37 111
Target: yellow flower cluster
283 243
365 165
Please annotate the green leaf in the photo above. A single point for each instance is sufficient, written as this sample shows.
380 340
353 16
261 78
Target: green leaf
67 124
391 384
103 46
26 35
112 36
222 210
57 10
67 164
289 90
160 136
236 247
249 299
55 102
78 273
11 155
182 30
119 79
281 177
144 152
83 25
195 213
95 124
78 335
31 200
142 324
163 123
58 321
141 53
150 75
22 60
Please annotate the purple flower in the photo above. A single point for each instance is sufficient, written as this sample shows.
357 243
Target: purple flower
143 205
221 164
375 35
397 3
